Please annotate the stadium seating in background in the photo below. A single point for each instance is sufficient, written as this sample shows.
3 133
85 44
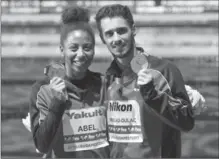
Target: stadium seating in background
137 6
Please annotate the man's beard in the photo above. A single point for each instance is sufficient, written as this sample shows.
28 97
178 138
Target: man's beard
128 52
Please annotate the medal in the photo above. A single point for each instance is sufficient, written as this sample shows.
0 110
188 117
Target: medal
55 70
139 62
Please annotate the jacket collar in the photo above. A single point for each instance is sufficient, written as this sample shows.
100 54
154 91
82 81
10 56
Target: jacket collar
114 69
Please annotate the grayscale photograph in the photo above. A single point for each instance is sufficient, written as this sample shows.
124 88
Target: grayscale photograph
109 79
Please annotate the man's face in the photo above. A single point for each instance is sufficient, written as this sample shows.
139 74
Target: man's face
78 51
117 35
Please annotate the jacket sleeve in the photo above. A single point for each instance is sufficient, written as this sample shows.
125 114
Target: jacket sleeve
45 118
173 102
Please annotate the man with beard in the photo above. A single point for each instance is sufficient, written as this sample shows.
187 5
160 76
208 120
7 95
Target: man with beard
152 93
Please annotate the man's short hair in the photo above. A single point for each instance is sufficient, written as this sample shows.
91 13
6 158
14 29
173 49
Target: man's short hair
114 11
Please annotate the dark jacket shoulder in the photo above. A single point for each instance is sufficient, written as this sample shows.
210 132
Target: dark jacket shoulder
36 86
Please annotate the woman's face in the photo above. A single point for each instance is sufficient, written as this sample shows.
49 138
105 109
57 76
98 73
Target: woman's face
78 50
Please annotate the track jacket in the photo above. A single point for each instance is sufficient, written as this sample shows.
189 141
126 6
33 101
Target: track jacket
136 129
72 129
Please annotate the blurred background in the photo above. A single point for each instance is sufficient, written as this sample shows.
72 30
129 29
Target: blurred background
183 31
